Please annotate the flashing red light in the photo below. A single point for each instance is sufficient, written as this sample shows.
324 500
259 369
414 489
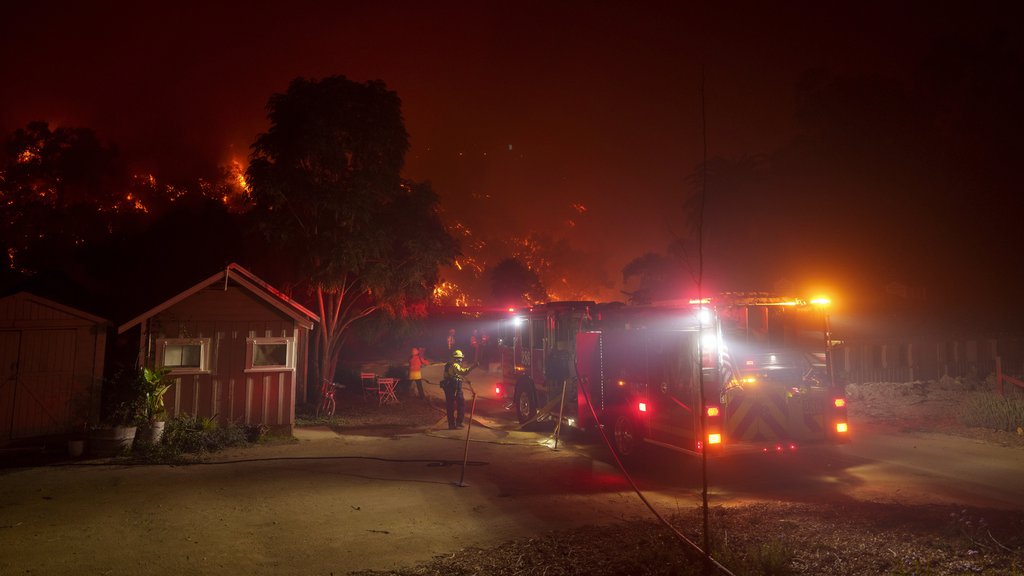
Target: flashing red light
497 390
712 410
642 406
511 309
840 402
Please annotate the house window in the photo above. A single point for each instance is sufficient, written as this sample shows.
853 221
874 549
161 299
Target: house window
184 355
265 354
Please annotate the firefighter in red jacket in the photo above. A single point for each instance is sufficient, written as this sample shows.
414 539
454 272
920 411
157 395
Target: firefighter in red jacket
454 401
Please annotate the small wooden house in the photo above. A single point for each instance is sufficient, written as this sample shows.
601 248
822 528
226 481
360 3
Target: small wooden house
236 346
51 367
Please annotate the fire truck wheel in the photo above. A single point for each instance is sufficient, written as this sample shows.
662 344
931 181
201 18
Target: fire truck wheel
526 404
625 436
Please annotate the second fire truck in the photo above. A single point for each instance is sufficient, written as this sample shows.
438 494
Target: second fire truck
741 371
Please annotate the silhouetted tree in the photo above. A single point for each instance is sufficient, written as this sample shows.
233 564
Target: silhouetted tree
60 190
513 284
77 227
659 278
327 193
565 272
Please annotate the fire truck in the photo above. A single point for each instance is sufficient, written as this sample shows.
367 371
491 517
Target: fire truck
738 372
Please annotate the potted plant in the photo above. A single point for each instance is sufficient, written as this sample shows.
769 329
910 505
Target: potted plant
122 407
116 433
154 384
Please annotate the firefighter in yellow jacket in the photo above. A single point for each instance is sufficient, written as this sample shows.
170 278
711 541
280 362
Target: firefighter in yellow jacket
454 401
416 363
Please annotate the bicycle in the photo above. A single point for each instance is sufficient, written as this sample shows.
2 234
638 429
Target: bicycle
325 409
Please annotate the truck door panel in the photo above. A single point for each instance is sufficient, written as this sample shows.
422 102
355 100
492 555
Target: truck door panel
673 389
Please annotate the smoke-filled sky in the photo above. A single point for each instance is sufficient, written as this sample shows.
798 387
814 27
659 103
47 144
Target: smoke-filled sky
584 120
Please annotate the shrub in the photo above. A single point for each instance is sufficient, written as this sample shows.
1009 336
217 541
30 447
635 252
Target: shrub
195 434
123 400
988 410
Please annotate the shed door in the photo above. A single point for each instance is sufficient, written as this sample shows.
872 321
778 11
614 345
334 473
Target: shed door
9 341
38 384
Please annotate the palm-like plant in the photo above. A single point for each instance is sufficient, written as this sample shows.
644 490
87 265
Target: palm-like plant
155 383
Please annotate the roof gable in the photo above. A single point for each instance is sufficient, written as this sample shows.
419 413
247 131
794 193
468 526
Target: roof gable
25 307
245 279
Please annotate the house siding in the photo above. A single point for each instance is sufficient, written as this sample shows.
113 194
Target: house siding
229 317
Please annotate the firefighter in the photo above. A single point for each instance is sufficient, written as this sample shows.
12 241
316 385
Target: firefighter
474 343
416 363
454 401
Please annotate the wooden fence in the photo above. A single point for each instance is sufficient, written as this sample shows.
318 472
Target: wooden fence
923 359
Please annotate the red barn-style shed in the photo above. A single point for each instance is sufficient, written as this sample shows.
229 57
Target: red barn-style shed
51 367
236 347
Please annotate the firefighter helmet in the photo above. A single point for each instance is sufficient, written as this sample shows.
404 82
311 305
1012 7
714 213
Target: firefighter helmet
457 354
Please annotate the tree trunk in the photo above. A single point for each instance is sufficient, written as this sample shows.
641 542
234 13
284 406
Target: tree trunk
339 308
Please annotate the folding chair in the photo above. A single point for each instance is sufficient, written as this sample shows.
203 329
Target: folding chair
368 381
387 390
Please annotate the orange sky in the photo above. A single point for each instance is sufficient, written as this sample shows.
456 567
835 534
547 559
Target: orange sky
519 113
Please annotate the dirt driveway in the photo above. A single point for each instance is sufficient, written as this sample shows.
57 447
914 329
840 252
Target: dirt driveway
332 503
326 504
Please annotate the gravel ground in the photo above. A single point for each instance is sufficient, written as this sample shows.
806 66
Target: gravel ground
855 538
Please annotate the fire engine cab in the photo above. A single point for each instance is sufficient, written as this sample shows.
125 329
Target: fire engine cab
741 371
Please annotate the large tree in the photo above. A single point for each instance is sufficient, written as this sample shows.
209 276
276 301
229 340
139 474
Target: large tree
658 277
514 284
327 191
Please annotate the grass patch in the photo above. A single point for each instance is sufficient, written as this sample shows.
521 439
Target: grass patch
992 411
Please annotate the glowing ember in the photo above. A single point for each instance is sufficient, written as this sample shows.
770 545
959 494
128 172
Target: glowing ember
28 155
